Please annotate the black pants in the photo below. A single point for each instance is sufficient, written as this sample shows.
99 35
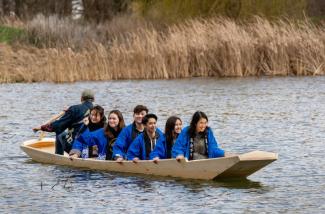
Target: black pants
61 144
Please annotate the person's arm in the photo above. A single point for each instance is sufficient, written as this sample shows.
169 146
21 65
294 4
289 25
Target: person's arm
64 122
119 146
134 151
159 152
47 125
180 146
80 142
213 150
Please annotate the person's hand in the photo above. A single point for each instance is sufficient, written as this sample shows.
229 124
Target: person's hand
135 160
156 160
36 129
179 158
119 160
73 156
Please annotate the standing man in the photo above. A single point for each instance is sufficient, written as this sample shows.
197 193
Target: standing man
129 133
150 145
71 119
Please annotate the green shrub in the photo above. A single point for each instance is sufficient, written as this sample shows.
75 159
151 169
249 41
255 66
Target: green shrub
9 34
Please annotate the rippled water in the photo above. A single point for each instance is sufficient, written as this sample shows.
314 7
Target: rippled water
283 115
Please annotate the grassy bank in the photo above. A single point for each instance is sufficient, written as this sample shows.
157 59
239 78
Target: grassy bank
9 34
129 49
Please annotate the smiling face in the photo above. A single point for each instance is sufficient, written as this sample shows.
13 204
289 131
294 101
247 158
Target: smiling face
201 125
95 116
178 126
151 125
113 120
139 116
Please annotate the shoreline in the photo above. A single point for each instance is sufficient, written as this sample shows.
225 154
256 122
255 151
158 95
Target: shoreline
215 47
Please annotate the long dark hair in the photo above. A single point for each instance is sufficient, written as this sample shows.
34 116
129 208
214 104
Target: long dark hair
195 119
109 131
169 128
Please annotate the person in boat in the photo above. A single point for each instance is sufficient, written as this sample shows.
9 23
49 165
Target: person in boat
197 141
95 121
129 133
173 128
103 138
149 145
71 120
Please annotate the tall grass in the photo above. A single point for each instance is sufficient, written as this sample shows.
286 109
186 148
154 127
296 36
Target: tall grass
129 49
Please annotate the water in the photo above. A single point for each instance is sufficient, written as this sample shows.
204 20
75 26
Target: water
283 115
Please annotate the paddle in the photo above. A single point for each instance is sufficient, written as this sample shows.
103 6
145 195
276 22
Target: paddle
55 117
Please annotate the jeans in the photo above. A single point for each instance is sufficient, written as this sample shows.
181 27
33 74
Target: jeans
61 144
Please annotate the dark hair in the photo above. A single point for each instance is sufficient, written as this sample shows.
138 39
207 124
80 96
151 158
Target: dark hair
147 117
99 110
195 119
169 128
94 126
140 108
108 130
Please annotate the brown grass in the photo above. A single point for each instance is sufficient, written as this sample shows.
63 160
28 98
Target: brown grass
128 48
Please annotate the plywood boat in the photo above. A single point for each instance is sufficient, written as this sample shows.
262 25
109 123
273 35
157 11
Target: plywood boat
234 166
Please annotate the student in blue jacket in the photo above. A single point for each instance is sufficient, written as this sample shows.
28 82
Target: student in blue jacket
150 145
95 121
103 138
129 133
197 141
172 129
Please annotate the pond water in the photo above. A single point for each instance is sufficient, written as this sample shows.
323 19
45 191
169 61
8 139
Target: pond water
282 115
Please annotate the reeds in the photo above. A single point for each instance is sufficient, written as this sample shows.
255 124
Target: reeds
128 48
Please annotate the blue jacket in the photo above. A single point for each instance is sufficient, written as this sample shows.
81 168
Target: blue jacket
72 118
123 141
99 138
88 139
182 145
81 142
137 148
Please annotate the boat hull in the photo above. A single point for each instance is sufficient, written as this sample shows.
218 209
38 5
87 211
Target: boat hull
234 166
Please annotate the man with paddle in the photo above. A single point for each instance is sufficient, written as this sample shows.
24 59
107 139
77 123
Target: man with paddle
70 119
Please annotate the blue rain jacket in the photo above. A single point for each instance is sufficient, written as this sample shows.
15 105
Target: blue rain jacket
182 145
137 148
88 139
123 142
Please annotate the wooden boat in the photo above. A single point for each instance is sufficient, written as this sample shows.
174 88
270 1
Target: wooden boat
233 166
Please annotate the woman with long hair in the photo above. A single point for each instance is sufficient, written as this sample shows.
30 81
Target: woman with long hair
173 128
197 140
112 130
95 121
104 138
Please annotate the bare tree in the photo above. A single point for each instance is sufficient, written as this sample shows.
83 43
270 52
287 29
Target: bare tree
77 9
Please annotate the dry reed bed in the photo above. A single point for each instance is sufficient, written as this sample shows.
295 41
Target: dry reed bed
128 49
